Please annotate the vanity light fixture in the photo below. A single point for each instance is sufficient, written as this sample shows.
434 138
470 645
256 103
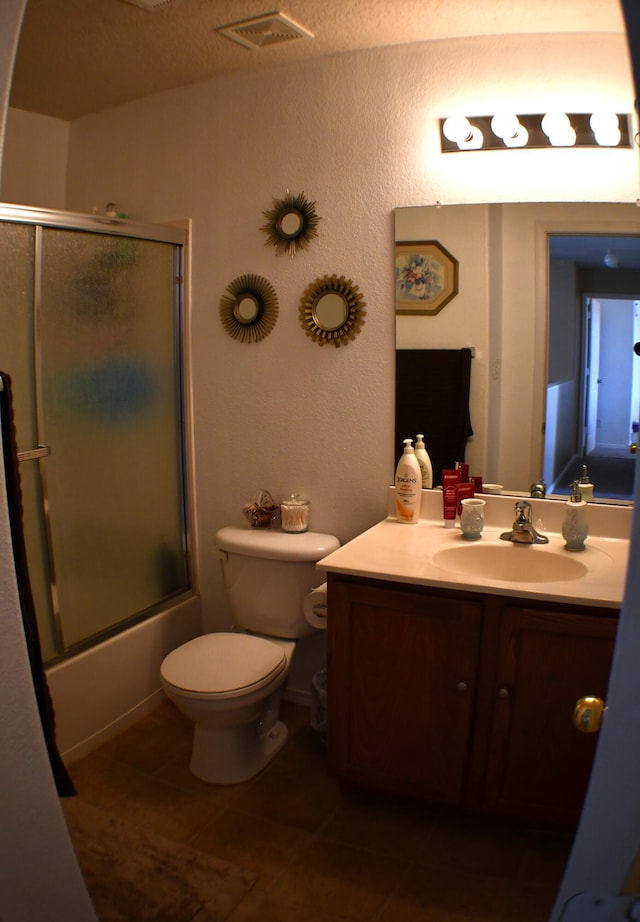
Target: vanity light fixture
507 130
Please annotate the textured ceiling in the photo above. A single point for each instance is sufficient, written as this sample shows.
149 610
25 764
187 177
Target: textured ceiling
81 56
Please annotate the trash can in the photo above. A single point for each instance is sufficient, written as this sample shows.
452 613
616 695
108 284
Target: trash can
319 701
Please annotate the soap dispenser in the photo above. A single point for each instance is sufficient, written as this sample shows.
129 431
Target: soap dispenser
586 487
575 528
425 462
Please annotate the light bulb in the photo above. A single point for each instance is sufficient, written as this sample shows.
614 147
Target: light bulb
555 123
557 127
456 128
611 259
519 139
603 121
474 141
505 125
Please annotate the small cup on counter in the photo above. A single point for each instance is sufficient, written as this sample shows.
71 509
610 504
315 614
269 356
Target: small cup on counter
472 518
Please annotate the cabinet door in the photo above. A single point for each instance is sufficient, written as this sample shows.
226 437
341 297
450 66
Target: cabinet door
539 764
402 673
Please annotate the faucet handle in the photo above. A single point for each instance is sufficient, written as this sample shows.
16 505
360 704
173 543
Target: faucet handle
523 511
538 490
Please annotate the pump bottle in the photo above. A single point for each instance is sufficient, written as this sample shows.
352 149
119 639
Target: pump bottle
408 486
575 528
585 485
424 461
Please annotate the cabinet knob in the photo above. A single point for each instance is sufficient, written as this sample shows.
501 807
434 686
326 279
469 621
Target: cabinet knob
503 692
587 714
462 686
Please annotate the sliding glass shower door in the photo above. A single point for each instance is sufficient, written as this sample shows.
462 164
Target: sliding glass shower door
97 379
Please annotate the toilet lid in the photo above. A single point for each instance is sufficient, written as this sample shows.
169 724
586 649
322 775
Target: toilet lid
223 664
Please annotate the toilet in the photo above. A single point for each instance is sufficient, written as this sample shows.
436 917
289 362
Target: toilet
230 683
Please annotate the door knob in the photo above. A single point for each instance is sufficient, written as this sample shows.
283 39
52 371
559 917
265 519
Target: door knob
587 714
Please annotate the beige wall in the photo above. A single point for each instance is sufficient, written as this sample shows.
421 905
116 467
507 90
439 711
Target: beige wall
358 134
34 166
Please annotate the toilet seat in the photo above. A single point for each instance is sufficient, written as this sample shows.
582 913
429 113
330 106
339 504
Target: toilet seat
223 665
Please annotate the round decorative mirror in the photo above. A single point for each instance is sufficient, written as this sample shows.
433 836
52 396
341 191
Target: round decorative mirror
246 308
332 310
249 308
291 224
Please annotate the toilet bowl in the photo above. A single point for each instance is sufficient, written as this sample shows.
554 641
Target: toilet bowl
230 683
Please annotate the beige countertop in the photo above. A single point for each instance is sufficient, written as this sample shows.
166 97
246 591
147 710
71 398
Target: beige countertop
403 553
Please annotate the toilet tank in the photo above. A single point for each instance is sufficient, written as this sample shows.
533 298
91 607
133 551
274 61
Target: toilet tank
267 573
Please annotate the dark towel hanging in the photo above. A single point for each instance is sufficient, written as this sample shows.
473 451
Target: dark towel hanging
432 396
63 782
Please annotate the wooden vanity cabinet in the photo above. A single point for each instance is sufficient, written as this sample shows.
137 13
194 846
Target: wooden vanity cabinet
402 675
463 698
538 764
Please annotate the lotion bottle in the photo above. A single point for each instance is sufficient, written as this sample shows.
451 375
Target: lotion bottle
424 461
408 486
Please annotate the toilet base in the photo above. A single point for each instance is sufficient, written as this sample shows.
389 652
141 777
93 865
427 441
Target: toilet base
235 754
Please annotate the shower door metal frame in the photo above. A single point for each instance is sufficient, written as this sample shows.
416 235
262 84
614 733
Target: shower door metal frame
118 227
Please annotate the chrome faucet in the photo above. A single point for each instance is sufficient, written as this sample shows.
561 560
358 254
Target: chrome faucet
538 489
523 531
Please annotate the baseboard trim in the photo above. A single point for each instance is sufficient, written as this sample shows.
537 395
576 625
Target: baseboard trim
84 747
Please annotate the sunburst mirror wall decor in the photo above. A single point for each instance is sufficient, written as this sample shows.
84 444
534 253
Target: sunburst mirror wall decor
291 224
249 308
332 310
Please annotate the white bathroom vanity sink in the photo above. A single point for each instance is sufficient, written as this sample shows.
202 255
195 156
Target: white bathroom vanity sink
429 554
522 563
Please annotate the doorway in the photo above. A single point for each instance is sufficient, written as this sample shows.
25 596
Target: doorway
611 375
593 380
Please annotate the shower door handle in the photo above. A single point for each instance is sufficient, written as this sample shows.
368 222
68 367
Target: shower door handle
42 451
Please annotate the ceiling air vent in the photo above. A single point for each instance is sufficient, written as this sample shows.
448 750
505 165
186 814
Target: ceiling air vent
151 6
271 29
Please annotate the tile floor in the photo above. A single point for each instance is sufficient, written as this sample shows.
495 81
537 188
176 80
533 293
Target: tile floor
322 853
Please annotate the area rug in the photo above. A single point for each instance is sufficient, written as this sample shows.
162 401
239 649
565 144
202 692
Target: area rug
133 875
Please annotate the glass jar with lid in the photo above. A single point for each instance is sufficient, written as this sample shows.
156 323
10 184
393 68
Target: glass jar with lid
294 513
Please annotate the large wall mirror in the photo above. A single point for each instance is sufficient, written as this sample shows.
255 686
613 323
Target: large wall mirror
548 299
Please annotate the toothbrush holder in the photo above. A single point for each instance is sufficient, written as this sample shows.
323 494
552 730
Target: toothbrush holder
472 518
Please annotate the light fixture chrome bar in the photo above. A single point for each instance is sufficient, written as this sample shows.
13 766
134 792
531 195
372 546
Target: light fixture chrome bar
548 130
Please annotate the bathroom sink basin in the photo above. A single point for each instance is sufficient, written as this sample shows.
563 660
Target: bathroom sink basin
507 562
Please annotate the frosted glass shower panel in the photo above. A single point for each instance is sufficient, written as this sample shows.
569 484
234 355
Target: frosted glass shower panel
111 383
17 357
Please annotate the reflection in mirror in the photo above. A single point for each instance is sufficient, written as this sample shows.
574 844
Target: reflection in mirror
593 374
290 223
530 360
330 311
246 308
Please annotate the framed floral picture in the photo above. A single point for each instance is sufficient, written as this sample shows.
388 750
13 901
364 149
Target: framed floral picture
426 277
